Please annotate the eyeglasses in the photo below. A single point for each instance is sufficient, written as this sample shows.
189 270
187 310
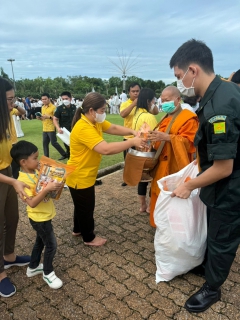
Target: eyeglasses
11 100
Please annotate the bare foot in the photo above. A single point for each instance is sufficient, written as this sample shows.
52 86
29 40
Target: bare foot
97 242
143 209
76 234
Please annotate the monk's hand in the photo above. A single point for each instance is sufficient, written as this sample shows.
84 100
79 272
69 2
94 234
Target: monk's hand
19 186
158 136
182 191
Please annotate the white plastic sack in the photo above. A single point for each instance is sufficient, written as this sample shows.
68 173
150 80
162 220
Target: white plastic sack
180 238
65 136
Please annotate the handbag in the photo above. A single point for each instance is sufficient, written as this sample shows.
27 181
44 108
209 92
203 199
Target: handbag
142 166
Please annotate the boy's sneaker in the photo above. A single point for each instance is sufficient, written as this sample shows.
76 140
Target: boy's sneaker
33 272
52 280
19 261
7 289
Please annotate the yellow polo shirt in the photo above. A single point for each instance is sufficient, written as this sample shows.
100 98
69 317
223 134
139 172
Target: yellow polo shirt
128 120
83 138
5 158
49 110
142 116
45 210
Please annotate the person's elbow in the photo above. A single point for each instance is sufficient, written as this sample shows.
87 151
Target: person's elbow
122 114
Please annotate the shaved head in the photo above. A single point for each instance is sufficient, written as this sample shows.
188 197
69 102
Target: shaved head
172 91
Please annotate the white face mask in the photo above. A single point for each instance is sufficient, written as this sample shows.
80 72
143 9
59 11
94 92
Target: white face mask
66 102
100 117
189 92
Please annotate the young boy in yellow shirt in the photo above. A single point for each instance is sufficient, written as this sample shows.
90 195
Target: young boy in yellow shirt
40 211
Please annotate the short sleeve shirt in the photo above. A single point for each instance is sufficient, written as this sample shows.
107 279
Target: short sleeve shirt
142 116
45 210
49 110
129 119
65 115
218 139
83 138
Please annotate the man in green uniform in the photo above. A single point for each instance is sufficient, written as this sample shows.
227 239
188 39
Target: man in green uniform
218 145
63 116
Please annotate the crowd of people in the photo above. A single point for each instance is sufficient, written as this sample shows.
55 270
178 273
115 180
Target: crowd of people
201 113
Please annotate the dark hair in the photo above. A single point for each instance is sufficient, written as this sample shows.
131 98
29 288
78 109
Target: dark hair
5 86
22 150
236 77
133 84
193 51
192 101
92 100
45 95
145 96
66 93
124 91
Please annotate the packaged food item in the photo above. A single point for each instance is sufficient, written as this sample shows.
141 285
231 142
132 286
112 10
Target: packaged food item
51 170
143 133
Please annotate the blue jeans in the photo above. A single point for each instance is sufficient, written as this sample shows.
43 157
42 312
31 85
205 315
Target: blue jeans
45 238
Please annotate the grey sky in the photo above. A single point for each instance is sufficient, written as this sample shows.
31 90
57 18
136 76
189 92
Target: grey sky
76 37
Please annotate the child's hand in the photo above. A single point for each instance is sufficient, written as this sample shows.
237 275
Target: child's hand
53 186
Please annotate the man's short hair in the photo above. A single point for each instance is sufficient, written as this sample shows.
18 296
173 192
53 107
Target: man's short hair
66 93
133 84
236 77
22 150
45 95
193 51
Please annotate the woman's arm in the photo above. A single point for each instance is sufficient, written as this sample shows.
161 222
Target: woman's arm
120 130
21 111
115 147
17 185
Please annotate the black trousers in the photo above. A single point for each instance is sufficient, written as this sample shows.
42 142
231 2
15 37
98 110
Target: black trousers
222 244
142 188
51 136
45 238
84 204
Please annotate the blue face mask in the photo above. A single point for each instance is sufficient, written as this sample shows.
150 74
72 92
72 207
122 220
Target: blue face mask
168 106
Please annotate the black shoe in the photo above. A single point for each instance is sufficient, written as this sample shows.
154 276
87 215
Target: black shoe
124 184
203 298
63 157
198 271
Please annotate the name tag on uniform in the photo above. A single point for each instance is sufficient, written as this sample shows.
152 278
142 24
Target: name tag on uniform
219 127
217 118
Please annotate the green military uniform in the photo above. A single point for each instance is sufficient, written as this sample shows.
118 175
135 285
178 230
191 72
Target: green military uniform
218 138
65 116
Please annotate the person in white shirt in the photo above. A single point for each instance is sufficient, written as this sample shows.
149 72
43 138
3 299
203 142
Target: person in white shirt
190 103
115 104
123 96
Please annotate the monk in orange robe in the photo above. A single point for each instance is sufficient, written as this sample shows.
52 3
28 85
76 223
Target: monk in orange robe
179 149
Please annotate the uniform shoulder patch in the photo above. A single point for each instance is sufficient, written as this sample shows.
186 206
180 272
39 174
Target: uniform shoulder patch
219 127
217 118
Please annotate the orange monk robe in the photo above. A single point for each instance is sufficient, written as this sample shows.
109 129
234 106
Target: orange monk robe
176 154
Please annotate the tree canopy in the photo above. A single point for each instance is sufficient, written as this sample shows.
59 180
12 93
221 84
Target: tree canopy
79 86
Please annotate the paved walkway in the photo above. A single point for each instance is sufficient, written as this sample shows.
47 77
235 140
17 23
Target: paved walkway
116 281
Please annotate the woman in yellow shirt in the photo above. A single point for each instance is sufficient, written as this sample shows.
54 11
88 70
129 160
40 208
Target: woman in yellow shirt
143 113
86 147
9 188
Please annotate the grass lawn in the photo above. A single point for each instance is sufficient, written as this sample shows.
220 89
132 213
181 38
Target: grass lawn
33 132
